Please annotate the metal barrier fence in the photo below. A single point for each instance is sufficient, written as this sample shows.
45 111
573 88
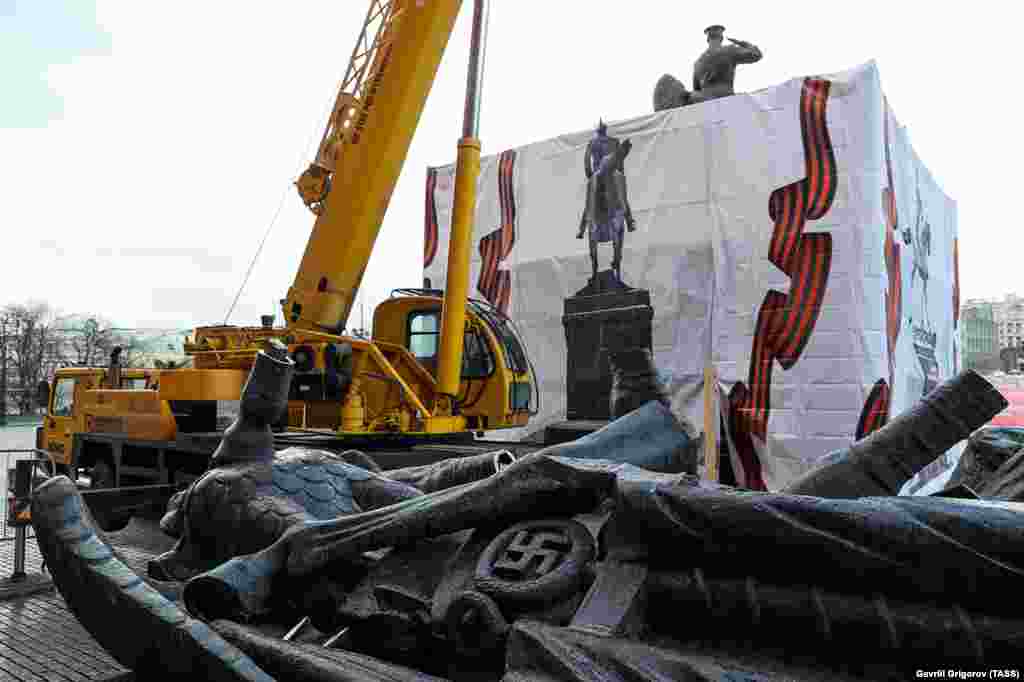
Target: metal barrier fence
18 421
8 459
21 468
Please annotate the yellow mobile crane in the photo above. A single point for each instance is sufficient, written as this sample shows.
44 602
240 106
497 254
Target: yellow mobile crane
438 362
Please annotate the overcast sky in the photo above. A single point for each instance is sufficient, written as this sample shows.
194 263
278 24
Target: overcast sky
145 147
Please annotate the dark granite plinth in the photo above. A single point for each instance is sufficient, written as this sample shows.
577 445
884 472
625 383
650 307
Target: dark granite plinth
606 314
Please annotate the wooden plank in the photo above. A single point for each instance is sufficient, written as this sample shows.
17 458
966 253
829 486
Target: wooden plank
711 420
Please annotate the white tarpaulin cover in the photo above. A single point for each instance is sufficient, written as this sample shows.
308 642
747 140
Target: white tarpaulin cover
791 235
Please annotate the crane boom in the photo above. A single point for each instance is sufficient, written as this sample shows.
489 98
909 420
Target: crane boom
368 156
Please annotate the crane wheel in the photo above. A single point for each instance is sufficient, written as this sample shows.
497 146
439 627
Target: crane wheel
102 476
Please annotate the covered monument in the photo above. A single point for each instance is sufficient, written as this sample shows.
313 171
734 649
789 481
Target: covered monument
790 237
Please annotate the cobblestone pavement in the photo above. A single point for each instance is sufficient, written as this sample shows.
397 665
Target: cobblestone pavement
39 638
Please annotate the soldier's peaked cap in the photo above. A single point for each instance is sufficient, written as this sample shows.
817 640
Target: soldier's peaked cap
717 28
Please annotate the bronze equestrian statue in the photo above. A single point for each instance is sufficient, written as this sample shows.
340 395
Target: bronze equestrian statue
713 73
607 214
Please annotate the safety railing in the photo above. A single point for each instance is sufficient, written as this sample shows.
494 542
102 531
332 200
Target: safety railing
20 421
8 465
22 467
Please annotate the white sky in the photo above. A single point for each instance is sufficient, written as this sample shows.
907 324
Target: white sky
143 197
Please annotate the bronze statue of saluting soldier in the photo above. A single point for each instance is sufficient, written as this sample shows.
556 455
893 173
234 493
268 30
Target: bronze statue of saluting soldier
713 73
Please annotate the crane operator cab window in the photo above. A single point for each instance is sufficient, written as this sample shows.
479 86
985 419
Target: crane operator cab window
63 397
425 338
425 341
477 361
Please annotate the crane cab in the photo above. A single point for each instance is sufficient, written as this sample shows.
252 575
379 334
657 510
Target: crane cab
497 388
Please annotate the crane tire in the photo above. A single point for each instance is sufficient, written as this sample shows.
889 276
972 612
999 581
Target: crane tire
102 476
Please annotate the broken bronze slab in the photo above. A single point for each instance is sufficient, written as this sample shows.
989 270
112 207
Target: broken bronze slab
883 462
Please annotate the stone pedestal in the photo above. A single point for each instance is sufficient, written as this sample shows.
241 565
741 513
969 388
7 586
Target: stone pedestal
604 314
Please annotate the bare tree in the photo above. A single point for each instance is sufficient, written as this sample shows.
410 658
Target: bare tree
35 341
33 348
88 340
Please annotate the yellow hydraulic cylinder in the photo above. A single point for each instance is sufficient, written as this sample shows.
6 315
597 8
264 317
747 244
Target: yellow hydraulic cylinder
456 290
467 170
353 413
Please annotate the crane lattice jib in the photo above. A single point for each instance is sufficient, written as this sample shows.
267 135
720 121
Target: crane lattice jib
352 92
376 113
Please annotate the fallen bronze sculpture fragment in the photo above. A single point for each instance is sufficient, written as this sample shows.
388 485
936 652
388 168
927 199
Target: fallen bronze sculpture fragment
574 562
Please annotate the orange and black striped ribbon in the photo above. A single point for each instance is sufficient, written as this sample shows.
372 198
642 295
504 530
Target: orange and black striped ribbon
494 283
956 297
430 221
785 321
894 295
956 283
875 411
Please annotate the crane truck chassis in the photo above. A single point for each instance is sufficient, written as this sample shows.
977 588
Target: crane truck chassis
137 435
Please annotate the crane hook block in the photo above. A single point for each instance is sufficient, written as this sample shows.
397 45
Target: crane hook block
313 186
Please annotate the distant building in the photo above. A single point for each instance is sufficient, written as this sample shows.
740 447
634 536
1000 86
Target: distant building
1012 359
979 336
1009 318
992 334
154 347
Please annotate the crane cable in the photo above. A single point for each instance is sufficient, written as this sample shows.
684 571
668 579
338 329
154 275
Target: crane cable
280 205
259 250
